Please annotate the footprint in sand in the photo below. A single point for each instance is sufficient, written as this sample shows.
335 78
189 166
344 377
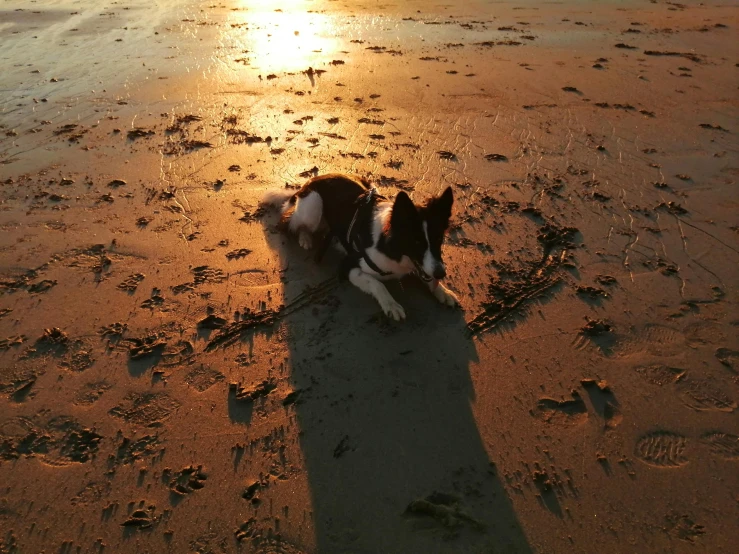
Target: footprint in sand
146 447
683 527
79 358
188 480
571 412
57 441
91 493
665 449
701 333
90 393
702 395
203 377
722 445
662 449
201 274
658 374
131 283
148 409
562 412
728 357
652 338
205 274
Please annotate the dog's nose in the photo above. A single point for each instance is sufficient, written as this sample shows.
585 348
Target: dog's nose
439 272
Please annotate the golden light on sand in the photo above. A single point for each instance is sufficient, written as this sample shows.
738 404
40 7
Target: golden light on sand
178 374
284 36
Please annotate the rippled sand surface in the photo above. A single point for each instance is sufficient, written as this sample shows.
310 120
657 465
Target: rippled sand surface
178 376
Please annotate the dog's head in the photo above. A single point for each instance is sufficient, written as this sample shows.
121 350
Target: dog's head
418 231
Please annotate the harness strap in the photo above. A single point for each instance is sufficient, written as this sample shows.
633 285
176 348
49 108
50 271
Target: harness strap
351 226
373 265
364 204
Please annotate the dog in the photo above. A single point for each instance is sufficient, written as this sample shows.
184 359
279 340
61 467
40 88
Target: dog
383 239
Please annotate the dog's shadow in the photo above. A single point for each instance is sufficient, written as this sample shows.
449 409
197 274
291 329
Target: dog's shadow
394 459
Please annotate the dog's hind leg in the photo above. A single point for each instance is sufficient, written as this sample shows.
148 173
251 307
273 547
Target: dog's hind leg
370 285
305 239
324 241
284 223
307 217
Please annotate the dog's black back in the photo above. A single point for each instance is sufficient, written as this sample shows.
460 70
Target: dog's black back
339 194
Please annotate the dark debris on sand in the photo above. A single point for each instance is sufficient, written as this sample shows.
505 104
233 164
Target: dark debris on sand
506 297
446 510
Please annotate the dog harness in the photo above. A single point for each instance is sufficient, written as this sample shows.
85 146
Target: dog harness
365 206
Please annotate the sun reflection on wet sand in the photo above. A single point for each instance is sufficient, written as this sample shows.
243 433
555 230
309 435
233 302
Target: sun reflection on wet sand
284 36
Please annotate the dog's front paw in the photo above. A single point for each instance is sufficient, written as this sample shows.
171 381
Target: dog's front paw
393 310
445 296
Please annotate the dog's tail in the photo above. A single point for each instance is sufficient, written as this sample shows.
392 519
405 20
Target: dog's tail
279 199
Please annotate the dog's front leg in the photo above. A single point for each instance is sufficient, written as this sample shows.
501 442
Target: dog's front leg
443 294
323 244
370 285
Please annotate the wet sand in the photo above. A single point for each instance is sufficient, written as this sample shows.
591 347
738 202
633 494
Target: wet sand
178 376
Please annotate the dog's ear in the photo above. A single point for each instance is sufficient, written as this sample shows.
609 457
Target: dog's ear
403 207
442 204
404 214
446 200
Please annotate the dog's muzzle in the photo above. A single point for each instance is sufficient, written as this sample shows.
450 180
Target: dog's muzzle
421 273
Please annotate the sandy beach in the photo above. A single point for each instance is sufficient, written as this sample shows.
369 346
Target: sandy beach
178 376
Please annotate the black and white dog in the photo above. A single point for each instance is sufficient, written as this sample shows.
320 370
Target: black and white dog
383 239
